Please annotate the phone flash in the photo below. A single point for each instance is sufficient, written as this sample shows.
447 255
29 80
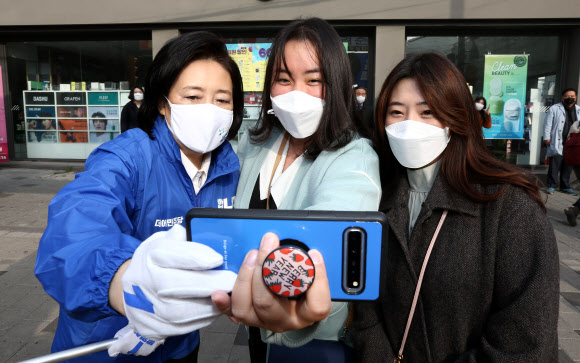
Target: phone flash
355 283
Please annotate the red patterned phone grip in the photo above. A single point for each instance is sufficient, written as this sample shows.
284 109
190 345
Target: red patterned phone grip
288 270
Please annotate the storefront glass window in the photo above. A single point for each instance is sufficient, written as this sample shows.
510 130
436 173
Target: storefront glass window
67 97
251 55
358 54
542 87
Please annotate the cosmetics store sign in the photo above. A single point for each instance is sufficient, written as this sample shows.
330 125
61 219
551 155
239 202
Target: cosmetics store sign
104 98
39 98
71 98
504 88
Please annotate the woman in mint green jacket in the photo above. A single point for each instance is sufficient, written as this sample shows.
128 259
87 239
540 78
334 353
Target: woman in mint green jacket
304 153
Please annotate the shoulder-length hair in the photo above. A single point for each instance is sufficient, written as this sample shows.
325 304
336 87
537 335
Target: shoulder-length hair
337 126
173 57
466 160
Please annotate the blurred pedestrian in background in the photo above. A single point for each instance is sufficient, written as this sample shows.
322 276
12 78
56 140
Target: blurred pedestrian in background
364 108
481 106
557 124
129 113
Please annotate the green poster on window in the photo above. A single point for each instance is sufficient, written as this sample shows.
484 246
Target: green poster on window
103 98
504 88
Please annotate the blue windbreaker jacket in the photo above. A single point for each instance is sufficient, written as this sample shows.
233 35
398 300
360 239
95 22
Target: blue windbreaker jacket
132 187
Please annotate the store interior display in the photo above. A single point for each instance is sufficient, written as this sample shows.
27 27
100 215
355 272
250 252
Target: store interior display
71 117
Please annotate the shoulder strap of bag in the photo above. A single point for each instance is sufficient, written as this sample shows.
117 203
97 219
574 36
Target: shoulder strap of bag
418 288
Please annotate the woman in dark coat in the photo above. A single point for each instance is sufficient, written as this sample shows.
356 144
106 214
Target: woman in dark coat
489 291
129 113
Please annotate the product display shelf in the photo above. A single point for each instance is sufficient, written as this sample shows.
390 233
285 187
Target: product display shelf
70 124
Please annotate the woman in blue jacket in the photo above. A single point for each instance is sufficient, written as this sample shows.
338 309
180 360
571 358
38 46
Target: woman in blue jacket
106 252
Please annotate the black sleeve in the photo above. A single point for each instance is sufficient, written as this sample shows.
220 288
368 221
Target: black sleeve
125 118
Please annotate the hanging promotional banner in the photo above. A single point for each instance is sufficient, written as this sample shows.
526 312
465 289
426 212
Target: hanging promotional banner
252 59
3 133
504 87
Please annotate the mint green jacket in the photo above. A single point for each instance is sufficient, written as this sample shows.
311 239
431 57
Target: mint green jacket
345 179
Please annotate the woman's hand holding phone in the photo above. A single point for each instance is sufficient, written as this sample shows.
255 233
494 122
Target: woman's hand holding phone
253 304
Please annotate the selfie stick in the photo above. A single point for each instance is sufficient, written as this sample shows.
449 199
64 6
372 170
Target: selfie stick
73 353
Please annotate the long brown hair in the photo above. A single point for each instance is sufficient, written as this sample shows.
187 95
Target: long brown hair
466 160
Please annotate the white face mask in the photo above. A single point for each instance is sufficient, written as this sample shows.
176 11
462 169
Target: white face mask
298 112
479 106
360 99
138 96
416 144
200 128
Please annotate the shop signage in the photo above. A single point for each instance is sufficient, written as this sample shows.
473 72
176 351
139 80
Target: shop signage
3 133
104 98
71 98
504 87
39 98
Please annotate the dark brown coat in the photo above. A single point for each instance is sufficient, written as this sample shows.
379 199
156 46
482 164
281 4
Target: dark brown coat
490 291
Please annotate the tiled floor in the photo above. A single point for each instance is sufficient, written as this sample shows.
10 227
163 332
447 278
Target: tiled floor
28 316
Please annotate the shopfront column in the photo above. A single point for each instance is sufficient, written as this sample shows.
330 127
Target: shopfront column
390 50
160 37
573 61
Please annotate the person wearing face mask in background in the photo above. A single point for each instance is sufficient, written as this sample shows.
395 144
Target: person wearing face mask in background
129 112
471 267
364 108
114 253
481 106
303 154
557 123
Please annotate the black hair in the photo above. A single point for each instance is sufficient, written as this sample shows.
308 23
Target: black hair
568 90
360 87
99 116
45 114
132 93
337 126
477 99
173 57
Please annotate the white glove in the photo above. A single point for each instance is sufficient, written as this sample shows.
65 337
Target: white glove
167 288
130 342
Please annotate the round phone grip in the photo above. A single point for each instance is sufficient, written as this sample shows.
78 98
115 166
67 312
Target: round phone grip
288 270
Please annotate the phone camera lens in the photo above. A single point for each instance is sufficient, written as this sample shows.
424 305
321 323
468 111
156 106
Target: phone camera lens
353 259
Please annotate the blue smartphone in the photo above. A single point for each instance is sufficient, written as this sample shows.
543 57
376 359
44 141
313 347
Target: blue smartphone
350 242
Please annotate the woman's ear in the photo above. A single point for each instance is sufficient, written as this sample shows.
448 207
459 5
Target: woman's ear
162 107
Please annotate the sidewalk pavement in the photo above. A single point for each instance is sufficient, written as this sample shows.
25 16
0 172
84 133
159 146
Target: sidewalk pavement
28 316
